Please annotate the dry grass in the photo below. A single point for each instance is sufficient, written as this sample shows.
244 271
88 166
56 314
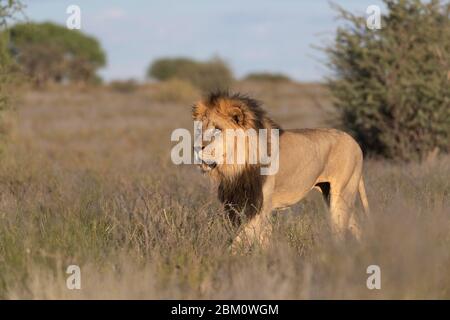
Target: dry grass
87 180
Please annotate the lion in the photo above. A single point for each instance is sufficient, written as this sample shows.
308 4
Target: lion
327 160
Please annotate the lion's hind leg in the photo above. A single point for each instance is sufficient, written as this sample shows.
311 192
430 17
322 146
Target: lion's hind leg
363 196
342 205
324 188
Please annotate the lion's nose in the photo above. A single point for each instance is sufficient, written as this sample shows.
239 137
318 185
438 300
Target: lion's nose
198 149
197 152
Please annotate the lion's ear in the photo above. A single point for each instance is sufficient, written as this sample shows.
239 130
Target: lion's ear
237 115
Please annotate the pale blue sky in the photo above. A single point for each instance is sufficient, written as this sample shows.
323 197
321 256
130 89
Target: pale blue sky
251 35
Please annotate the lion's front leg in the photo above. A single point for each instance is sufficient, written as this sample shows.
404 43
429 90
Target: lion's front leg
258 230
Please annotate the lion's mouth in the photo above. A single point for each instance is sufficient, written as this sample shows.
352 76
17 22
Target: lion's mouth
212 165
208 166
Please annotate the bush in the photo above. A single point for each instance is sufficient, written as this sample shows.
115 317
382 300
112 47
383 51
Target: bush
392 85
175 91
49 52
267 77
7 10
207 76
124 86
4 72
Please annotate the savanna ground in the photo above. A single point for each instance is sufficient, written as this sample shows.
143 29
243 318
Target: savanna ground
86 179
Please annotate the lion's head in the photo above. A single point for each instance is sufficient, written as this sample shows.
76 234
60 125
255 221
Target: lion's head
231 126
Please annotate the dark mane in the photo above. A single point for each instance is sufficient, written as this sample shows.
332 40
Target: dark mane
253 106
242 196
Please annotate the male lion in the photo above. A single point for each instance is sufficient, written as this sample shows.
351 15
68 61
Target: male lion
325 159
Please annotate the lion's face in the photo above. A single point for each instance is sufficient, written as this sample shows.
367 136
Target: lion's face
217 142
226 146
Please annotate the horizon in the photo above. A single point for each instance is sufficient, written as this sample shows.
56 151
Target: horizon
134 34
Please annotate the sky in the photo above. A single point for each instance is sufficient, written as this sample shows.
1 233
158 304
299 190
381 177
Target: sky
251 35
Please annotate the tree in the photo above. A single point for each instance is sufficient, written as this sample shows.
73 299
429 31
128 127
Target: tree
391 86
49 52
207 76
7 11
8 8
267 77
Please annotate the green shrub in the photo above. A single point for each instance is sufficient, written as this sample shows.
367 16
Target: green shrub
175 91
392 86
49 52
7 10
207 76
124 86
267 77
4 74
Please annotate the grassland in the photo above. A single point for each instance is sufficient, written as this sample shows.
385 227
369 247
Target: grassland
86 179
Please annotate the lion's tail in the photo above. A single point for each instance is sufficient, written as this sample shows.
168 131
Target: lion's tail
363 196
